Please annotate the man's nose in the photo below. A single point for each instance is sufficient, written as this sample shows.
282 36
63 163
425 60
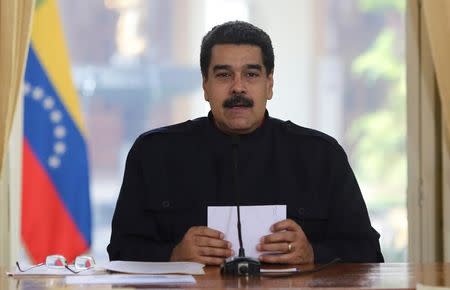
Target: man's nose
238 85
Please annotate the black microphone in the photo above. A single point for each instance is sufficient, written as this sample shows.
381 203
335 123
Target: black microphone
239 265
235 146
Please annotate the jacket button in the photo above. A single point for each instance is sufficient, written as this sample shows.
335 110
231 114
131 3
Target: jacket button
165 204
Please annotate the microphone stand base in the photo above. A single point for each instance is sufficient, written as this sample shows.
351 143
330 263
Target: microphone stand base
241 266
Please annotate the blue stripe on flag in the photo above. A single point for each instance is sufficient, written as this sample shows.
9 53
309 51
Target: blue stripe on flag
57 143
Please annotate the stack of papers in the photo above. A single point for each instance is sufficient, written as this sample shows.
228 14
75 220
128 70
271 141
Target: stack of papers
420 286
138 273
155 267
121 279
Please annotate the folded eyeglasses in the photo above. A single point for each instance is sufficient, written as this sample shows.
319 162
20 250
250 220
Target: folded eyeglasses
81 263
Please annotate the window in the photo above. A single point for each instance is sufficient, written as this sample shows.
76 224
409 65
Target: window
339 68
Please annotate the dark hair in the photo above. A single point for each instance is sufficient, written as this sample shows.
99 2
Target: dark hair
236 32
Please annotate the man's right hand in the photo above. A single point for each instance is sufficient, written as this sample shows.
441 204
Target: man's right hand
203 245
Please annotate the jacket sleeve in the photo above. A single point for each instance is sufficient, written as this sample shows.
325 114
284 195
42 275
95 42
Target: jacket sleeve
349 234
134 234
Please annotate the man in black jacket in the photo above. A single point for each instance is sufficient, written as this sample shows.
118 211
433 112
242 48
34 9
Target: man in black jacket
173 173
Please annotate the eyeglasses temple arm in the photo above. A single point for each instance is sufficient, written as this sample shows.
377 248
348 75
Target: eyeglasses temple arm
24 270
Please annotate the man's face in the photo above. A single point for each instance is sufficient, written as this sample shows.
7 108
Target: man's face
237 87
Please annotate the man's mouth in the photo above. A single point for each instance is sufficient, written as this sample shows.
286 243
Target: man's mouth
240 106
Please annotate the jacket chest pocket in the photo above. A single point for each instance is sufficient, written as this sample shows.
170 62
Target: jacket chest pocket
178 206
310 211
173 217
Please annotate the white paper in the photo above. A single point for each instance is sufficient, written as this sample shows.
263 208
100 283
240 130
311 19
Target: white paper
285 270
420 286
131 267
123 279
255 223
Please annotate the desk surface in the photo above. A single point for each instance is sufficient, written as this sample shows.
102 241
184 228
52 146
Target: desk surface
339 276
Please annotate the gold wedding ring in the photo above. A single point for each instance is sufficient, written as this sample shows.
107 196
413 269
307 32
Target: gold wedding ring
289 247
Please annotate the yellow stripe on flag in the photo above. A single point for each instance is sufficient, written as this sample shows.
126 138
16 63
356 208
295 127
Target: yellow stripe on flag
49 44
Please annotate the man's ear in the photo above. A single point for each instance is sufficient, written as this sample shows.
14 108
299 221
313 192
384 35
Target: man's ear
205 91
270 86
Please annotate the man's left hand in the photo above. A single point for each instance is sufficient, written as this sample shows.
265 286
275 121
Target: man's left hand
289 242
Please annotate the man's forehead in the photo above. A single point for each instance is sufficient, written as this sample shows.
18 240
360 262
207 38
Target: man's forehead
233 54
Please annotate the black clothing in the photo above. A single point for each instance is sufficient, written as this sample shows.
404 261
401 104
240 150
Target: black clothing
173 173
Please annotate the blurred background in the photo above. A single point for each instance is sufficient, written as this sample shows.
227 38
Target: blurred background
339 68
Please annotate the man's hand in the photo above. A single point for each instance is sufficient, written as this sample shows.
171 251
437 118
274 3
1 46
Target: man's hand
202 245
289 242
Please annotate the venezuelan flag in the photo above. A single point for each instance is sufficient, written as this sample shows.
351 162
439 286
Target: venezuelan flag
56 215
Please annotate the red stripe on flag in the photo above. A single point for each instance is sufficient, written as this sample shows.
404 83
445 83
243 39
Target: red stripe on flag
47 227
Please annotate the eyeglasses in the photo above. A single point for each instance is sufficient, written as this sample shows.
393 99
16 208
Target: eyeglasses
81 263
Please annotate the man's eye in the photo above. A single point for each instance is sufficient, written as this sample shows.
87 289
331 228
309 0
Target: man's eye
223 75
252 74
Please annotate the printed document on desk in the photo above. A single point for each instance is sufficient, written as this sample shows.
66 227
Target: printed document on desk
127 279
255 223
132 267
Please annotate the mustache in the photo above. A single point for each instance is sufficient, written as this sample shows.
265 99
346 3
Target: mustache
238 100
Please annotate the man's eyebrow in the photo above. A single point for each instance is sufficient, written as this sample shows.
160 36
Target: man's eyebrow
228 67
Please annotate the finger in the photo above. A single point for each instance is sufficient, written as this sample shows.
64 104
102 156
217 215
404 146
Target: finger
214 261
215 252
287 224
207 232
273 247
285 236
279 259
211 242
